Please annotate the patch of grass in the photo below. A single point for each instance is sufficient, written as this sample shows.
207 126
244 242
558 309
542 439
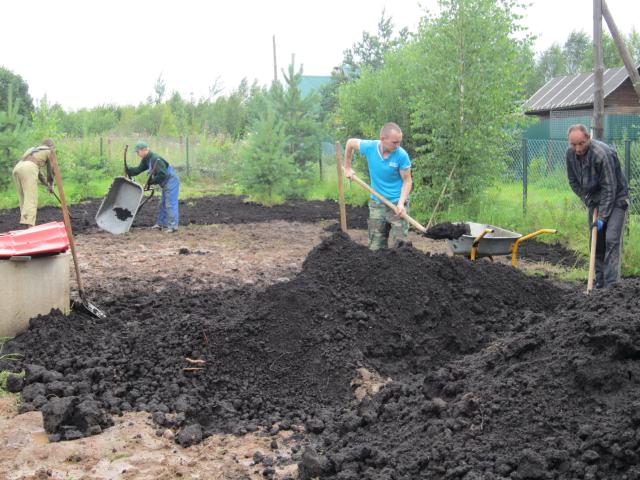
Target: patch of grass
118 456
5 373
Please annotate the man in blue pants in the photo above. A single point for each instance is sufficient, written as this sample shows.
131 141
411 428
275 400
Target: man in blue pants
163 174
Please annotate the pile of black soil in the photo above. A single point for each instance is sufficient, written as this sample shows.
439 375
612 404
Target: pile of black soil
555 398
237 359
447 230
553 253
224 209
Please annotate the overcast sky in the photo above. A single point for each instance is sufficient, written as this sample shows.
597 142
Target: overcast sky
84 53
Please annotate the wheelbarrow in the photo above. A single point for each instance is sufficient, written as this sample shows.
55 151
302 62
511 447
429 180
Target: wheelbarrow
122 203
485 240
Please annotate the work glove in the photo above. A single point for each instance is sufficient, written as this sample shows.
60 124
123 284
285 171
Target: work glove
599 224
50 187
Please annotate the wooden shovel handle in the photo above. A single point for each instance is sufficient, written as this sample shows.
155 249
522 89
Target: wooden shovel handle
67 220
592 256
405 215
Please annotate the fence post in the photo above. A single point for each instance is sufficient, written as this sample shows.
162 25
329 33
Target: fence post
102 154
320 159
627 160
187 152
525 168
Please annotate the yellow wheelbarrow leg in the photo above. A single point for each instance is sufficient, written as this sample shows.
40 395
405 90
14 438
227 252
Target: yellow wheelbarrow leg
476 242
516 244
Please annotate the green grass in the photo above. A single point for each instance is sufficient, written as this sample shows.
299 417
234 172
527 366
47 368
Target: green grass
554 208
5 373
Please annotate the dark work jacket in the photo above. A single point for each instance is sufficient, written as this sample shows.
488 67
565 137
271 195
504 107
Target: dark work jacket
596 177
148 162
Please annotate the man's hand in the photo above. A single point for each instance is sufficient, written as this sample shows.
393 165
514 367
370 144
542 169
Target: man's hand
399 209
50 187
599 224
349 173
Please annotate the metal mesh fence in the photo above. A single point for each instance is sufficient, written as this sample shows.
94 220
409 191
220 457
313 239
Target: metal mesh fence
540 167
616 126
536 167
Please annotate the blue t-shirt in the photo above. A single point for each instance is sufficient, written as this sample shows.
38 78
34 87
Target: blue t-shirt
385 173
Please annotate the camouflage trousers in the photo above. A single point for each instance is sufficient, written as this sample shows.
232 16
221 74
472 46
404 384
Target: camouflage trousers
385 227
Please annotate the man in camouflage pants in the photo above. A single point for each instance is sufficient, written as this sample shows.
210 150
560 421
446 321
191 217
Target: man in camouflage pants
390 171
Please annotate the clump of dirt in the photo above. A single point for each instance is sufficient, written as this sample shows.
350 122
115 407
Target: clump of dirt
122 213
233 360
447 230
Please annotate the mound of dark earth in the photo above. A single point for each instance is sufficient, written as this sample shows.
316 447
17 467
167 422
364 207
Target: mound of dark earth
233 360
223 209
554 398
553 253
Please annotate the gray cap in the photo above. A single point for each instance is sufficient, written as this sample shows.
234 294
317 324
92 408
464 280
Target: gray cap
141 145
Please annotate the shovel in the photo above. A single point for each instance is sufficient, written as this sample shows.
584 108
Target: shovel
84 305
450 231
388 203
55 195
592 256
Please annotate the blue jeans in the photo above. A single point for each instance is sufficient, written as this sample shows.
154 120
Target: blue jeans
168 215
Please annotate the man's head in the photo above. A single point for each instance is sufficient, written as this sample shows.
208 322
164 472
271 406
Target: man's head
390 137
579 138
142 149
48 142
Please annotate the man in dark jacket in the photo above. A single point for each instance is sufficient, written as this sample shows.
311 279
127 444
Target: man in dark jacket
595 176
163 174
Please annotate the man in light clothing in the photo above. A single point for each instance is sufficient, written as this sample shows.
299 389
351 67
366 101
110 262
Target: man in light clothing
26 175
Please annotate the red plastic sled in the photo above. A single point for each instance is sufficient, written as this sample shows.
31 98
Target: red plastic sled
39 240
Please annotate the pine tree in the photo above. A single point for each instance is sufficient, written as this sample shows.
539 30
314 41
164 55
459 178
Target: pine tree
11 129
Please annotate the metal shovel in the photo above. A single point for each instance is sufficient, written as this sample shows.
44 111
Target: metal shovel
84 305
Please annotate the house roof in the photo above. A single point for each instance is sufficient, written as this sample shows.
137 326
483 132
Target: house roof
573 91
311 83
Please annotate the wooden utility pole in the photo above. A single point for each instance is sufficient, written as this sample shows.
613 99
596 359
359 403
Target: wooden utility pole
343 209
622 48
275 64
598 73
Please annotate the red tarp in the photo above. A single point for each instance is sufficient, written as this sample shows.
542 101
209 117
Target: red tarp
42 239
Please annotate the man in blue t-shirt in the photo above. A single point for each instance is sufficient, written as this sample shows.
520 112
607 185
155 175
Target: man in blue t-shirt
390 172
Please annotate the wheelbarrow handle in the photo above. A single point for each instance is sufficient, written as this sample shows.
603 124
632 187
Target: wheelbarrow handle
153 191
126 167
404 214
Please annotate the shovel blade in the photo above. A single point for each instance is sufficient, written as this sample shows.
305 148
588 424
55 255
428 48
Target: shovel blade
86 306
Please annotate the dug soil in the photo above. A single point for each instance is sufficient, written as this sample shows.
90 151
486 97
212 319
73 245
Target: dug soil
278 349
